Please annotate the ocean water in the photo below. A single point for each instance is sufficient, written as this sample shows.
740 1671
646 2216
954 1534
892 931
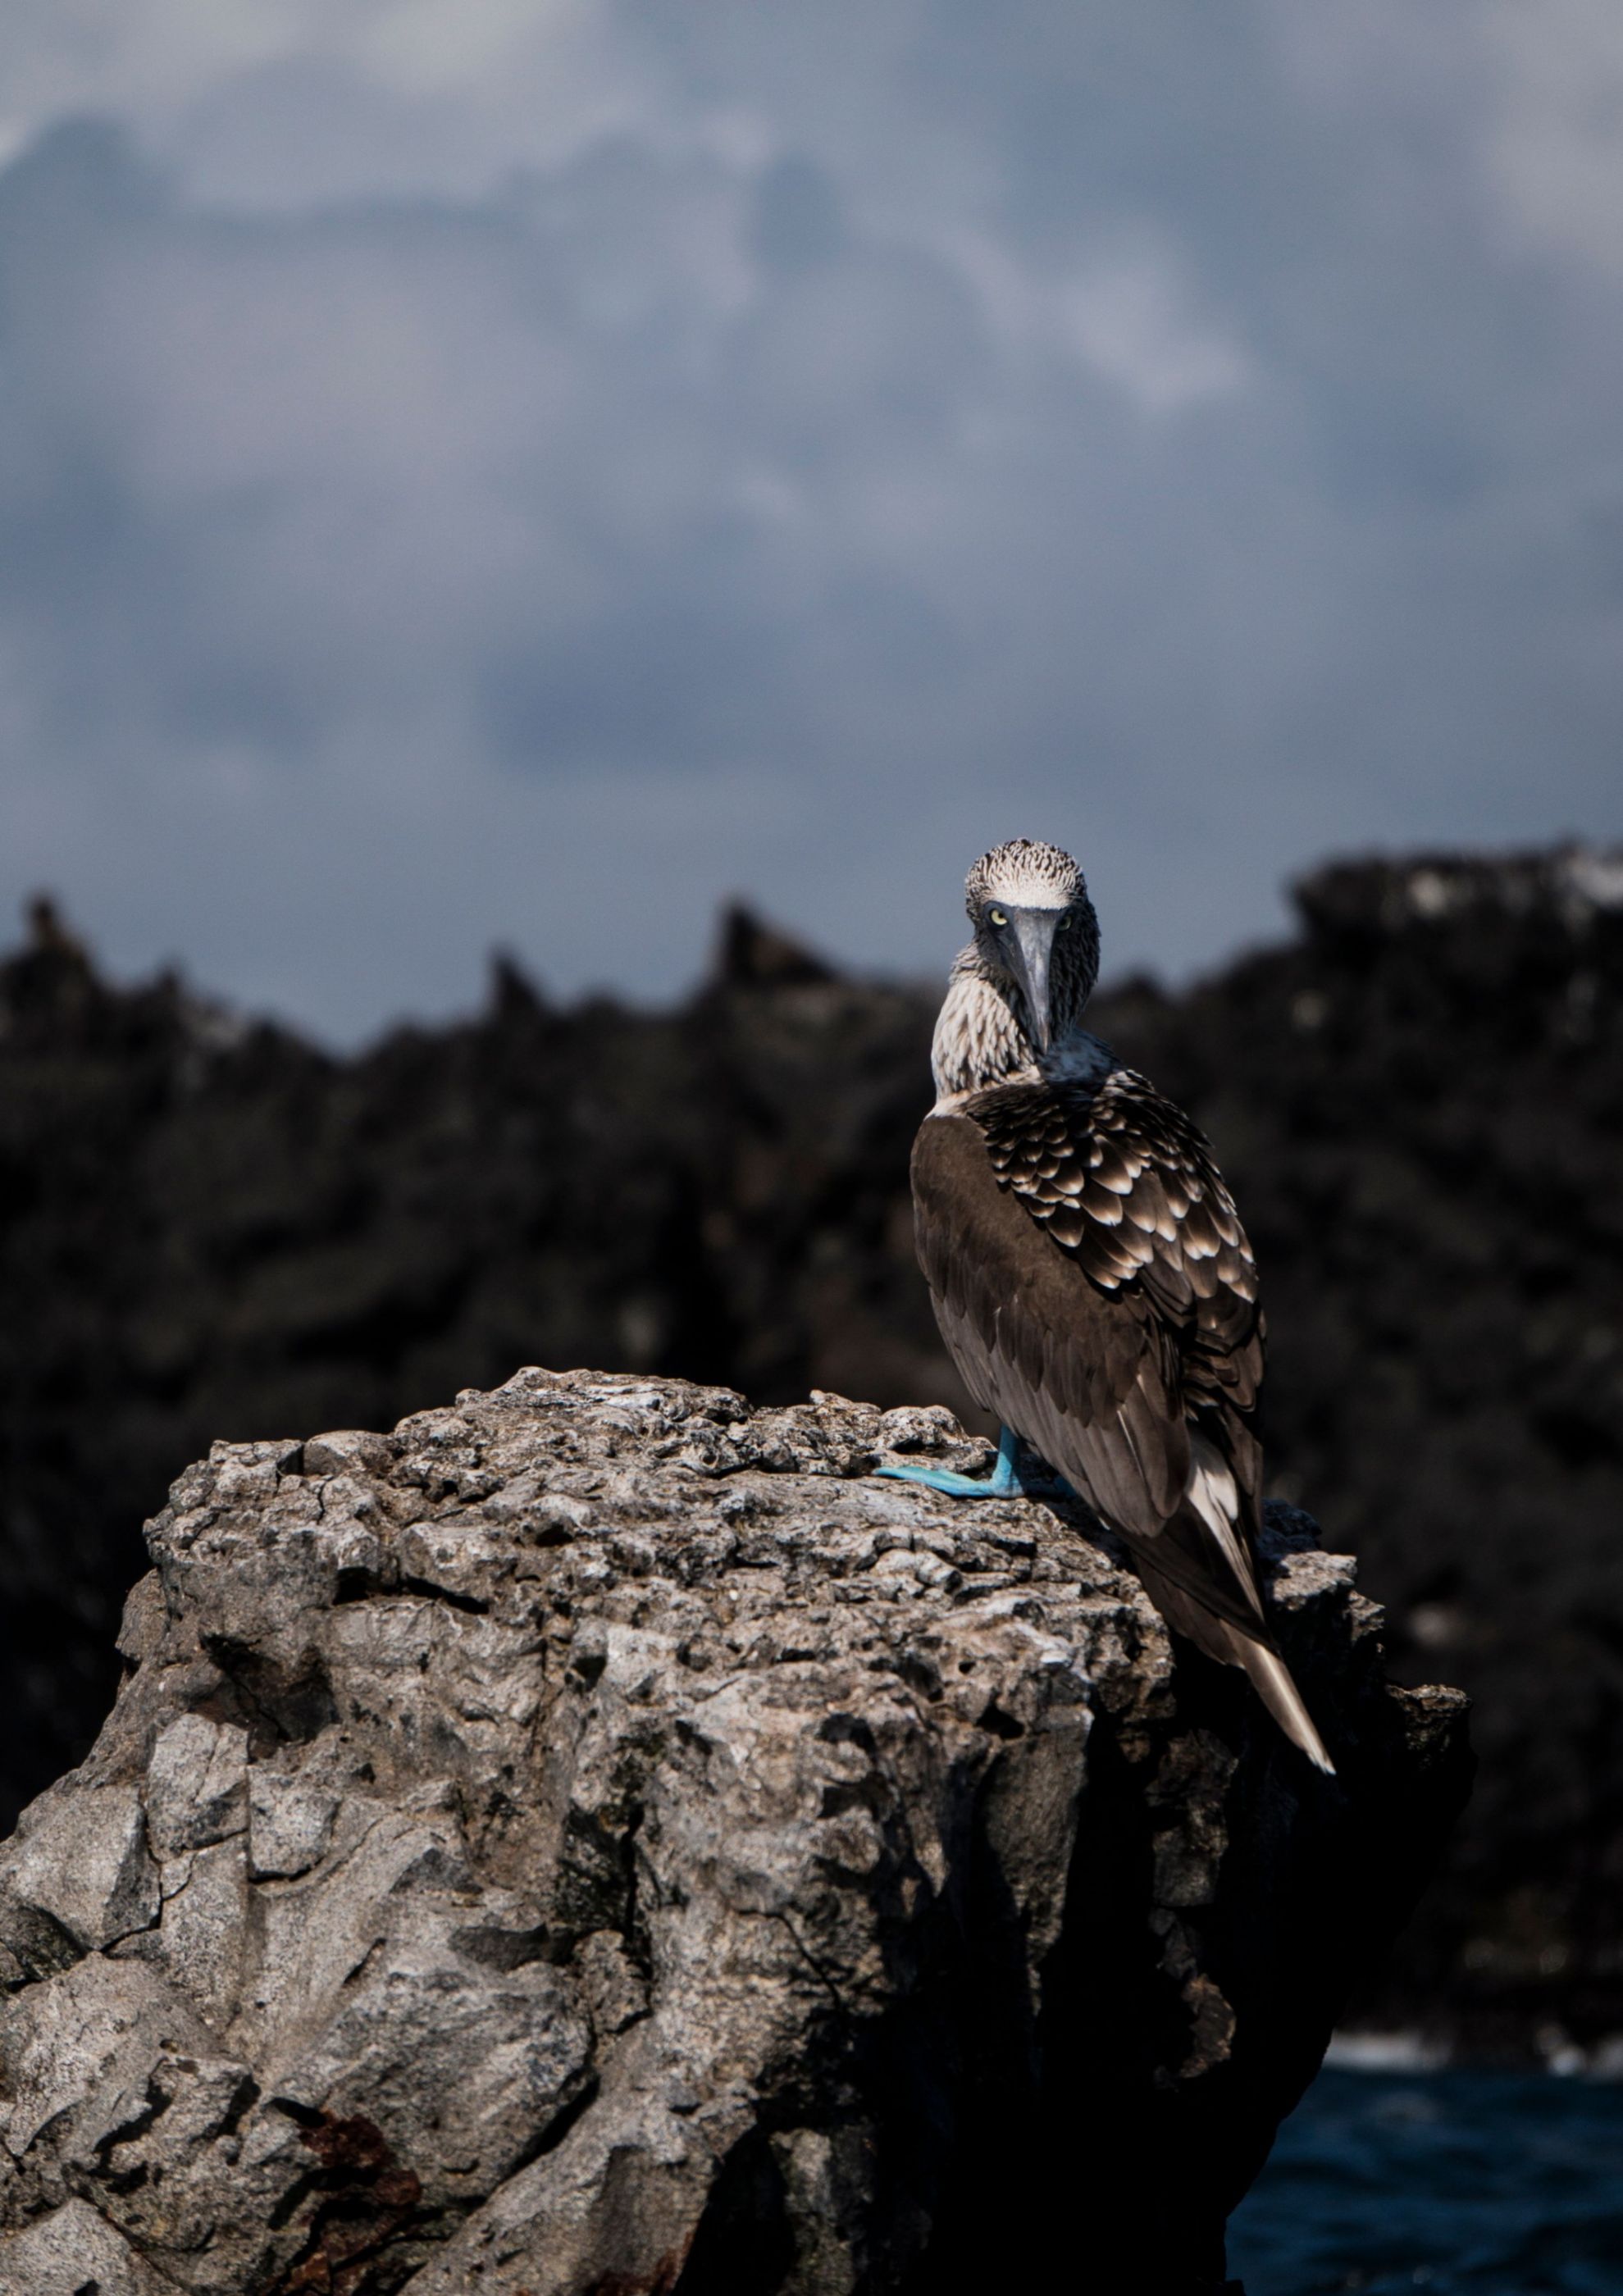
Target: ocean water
1501 2184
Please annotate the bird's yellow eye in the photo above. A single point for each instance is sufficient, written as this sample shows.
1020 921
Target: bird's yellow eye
1064 923
997 917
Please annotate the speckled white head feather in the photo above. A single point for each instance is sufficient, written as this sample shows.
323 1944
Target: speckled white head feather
1037 880
1025 875
1018 990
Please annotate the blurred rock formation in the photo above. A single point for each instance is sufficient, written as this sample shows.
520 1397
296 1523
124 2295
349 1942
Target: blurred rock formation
208 1227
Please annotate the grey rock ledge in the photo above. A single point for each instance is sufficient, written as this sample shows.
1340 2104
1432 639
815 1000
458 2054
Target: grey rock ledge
600 1838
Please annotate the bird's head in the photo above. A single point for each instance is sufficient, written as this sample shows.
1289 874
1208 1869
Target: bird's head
1037 937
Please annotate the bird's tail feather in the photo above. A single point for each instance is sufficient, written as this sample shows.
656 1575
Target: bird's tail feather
1281 1696
1231 1645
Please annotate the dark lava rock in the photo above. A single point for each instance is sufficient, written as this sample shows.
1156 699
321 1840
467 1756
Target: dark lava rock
212 1228
601 1838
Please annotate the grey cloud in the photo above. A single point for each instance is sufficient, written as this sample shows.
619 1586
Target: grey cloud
873 438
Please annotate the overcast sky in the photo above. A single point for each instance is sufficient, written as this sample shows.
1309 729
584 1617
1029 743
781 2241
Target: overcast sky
520 471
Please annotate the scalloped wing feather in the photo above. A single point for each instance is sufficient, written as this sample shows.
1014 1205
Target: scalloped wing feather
1073 1316
1095 1288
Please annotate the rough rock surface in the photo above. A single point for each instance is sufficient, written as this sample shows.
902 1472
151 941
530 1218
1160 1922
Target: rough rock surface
209 1226
599 1837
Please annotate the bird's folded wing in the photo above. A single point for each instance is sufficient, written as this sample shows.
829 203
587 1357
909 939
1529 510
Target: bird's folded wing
1125 1186
1095 1286
1080 1372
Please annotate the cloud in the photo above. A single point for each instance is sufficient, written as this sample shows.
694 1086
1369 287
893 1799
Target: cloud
1555 134
524 472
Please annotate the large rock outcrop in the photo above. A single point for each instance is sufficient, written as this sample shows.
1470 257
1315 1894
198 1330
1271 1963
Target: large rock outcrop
599 1837
209 1226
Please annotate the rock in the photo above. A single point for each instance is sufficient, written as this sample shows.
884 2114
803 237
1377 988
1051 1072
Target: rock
1416 1097
601 1838
74 2252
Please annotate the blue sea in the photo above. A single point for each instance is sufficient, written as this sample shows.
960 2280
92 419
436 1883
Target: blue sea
1503 2184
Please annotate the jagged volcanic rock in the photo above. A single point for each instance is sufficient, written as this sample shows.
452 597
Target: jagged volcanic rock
208 1227
601 1838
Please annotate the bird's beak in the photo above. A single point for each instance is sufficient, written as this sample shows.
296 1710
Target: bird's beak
1031 944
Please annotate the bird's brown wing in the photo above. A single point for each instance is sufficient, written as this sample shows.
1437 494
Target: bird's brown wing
1095 1290
1129 1187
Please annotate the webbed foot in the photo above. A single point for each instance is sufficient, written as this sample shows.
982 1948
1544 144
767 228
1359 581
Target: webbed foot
957 1487
1005 1480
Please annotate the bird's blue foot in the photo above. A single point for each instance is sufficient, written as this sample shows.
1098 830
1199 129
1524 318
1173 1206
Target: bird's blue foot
958 1487
1005 1480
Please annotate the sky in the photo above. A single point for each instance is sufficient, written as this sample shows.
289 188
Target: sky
519 472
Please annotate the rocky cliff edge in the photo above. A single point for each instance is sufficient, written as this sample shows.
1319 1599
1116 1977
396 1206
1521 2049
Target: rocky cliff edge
599 1837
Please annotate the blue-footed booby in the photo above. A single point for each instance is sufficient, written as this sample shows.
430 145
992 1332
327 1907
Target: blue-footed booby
1089 1272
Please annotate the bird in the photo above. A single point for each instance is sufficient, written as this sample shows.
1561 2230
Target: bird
1089 1272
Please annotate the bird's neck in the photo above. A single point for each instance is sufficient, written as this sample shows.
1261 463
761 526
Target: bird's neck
980 1040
